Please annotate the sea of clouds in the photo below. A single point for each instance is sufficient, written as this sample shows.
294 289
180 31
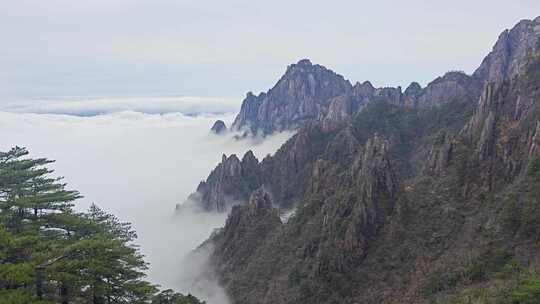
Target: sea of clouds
138 164
85 106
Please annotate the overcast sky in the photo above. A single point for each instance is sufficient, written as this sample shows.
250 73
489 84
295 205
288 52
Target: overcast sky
225 48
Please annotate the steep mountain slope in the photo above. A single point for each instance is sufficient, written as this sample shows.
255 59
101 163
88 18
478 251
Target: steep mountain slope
302 94
364 233
284 174
417 197
334 102
506 60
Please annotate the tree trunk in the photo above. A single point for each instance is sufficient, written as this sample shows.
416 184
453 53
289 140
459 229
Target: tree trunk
64 293
96 297
39 283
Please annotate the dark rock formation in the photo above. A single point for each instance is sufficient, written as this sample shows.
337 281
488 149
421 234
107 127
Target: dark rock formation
440 155
412 197
219 127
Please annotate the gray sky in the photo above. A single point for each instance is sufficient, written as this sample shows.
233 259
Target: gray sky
225 48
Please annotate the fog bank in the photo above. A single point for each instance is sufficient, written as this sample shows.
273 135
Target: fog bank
137 166
86 106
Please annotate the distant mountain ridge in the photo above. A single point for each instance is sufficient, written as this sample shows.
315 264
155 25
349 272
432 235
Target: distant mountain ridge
310 92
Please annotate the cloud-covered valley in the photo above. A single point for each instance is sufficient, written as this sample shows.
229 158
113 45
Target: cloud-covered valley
137 166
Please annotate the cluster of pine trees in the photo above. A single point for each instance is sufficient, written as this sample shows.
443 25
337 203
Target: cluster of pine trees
49 253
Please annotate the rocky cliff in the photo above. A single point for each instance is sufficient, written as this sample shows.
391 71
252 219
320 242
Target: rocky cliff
230 183
284 174
424 196
302 94
507 59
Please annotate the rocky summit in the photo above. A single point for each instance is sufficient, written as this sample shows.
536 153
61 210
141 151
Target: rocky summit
428 195
219 127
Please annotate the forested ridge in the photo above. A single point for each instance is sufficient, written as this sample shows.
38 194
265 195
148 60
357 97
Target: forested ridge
50 253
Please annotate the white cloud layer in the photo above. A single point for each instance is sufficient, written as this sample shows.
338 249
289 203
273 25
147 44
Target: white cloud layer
186 105
137 166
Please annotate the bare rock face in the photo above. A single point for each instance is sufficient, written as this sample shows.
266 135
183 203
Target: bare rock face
302 94
284 174
219 127
248 117
534 143
504 127
341 109
363 92
481 127
453 86
507 58
228 183
440 154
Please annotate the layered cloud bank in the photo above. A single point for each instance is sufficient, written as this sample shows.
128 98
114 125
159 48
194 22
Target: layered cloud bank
187 105
137 166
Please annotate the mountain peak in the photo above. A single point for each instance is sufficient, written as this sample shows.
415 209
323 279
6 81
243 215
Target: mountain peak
302 94
414 86
304 62
507 57
303 65
219 127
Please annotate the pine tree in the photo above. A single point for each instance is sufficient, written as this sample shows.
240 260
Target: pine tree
51 254
28 194
105 259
